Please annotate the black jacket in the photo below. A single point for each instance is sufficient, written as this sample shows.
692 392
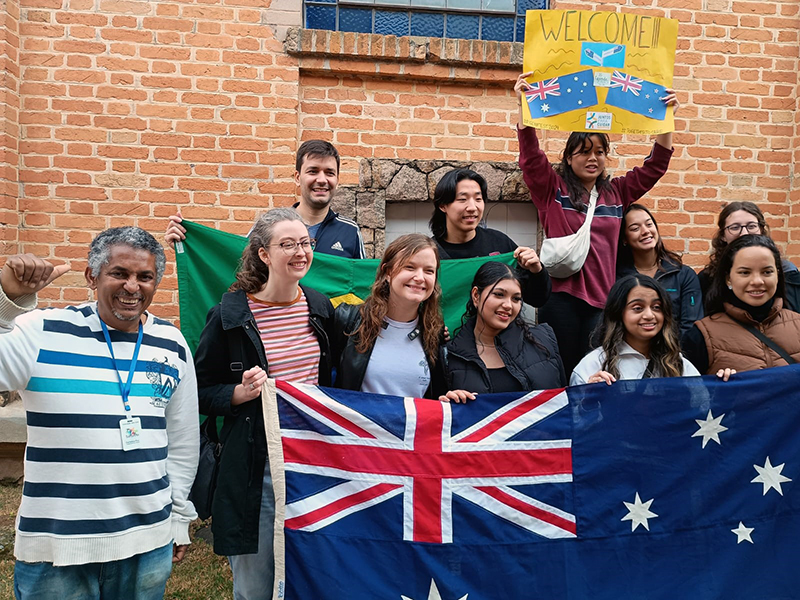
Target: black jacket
536 368
683 287
352 365
230 344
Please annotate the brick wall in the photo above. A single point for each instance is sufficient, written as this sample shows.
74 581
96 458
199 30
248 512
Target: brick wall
130 108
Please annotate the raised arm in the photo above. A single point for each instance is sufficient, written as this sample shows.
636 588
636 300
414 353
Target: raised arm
671 99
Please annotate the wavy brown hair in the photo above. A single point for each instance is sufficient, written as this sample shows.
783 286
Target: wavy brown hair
718 243
252 273
376 306
665 349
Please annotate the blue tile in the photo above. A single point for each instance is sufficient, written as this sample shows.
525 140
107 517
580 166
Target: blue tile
320 17
324 1
499 29
523 5
520 29
466 27
428 3
355 19
427 24
391 22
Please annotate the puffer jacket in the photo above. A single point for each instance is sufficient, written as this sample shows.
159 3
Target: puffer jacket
535 367
229 345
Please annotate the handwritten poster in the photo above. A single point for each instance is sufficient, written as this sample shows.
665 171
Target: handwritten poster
598 71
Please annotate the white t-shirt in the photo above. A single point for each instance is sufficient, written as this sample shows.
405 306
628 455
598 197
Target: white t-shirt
631 365
398 365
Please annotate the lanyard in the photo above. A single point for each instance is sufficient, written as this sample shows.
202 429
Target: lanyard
124 388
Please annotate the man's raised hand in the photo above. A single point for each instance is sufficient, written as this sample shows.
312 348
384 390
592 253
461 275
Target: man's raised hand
27 274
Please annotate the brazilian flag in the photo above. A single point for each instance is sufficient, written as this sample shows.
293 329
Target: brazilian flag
207 261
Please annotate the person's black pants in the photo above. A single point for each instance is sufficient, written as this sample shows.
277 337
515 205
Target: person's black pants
573 322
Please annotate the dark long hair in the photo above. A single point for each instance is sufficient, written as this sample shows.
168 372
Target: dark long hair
376 306
624 253
488 276
664 347
445 194
252 274
718 242
576 143
719 293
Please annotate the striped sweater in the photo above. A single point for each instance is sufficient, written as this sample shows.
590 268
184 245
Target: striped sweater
85 500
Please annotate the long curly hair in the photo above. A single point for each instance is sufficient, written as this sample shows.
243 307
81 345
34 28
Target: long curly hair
376 306
252 274
624 254
719 293
718 242
488 276
580 141
664 347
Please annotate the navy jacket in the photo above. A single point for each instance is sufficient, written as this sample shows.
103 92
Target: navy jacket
338 236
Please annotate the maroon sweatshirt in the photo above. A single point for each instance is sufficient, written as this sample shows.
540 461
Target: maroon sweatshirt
559 218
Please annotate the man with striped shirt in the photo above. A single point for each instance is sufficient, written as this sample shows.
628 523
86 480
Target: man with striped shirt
111 402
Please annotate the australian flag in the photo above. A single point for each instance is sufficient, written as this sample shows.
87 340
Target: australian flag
657 489
561 94
637 95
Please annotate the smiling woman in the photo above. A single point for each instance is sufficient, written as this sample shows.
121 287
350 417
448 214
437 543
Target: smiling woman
748 326
642 250
267 325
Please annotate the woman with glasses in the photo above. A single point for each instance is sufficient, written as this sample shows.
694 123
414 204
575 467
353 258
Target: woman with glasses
266 325
745 218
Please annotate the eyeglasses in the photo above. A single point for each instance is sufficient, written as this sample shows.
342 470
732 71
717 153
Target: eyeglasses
736 228
290 246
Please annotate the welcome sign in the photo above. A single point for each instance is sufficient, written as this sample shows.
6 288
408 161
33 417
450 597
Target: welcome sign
598 71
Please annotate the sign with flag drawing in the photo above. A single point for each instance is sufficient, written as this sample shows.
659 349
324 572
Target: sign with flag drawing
657 489
598 71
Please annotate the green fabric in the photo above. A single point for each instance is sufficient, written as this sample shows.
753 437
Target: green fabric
207 261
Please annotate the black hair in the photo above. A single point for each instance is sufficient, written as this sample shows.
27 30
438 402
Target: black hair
445 194
577 143
489 275
624 253
718 292
664 347
315 148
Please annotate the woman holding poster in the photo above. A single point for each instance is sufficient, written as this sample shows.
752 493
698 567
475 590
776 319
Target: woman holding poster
563 198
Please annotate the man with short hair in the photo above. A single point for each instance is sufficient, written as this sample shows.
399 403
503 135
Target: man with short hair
111 402
317 176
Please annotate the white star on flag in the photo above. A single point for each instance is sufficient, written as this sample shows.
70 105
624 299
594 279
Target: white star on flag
770 476
743 533
434 593
545 108
638 513
710 428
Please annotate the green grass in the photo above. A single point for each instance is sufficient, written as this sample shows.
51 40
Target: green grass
202 575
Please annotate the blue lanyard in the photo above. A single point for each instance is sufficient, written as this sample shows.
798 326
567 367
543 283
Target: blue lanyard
124 388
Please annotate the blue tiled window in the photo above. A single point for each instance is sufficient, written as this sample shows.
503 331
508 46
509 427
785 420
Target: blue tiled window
499 20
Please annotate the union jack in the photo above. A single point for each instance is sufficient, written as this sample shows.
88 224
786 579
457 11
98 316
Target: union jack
428 464
541 89
628 83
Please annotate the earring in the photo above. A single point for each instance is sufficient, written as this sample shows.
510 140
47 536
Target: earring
730 287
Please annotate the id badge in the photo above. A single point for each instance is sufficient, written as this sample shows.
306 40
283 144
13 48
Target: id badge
131 432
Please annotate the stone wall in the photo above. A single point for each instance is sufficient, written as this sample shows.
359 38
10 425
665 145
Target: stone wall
382 181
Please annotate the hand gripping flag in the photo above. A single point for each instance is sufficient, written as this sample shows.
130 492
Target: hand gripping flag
561 94
657 489
637 95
